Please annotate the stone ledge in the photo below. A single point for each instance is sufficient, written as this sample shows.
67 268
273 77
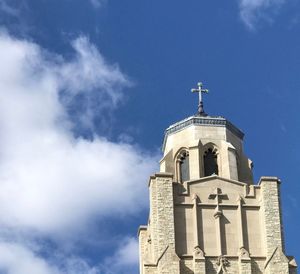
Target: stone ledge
141 228
268 179
160 175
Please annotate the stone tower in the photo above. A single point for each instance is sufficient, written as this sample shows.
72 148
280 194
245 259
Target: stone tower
206 215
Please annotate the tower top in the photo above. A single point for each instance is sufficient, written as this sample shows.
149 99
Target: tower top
205 122
206 215
200 90
208 136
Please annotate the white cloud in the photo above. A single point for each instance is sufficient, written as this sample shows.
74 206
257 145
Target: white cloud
97 3
51 182
127 253
12 8
89 70
16 259
251 11
48 179
8 9
19 259
124 260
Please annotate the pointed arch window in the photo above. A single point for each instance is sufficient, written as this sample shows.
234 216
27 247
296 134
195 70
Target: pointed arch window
210 160
183 166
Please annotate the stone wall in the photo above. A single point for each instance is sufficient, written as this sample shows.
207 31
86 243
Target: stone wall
277 262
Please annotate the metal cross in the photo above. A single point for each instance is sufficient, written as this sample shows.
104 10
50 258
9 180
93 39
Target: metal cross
200 89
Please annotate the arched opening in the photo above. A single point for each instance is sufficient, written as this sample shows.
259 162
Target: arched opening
210 160
183 166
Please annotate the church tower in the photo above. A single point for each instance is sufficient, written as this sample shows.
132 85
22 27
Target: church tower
206 214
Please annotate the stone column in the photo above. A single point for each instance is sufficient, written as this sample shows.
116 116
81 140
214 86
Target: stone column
218 195
198 254
276 260
162 222
194 162
198 261
142 235
240 220
218 215
232 163
244 259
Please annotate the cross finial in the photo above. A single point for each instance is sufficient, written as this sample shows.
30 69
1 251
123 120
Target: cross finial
200 89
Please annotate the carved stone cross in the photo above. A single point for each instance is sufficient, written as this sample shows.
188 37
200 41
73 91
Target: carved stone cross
218 195
200 89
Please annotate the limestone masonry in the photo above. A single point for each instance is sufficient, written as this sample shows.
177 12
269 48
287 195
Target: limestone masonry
206 215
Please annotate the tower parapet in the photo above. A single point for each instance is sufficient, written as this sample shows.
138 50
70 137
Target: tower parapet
206 141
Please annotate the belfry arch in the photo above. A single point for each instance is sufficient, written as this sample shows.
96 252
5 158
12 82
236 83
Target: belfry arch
210 162
182 165
209 159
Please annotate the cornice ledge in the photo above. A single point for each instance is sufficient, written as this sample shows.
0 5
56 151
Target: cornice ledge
268 179
202 121
209 178
213 177
160 175
141 228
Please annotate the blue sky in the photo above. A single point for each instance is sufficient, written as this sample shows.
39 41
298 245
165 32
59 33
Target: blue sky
87 89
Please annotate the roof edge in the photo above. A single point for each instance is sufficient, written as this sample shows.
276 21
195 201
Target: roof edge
201 121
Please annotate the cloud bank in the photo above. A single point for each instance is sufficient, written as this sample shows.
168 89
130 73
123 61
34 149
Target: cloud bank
51 182
252 11
18 259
